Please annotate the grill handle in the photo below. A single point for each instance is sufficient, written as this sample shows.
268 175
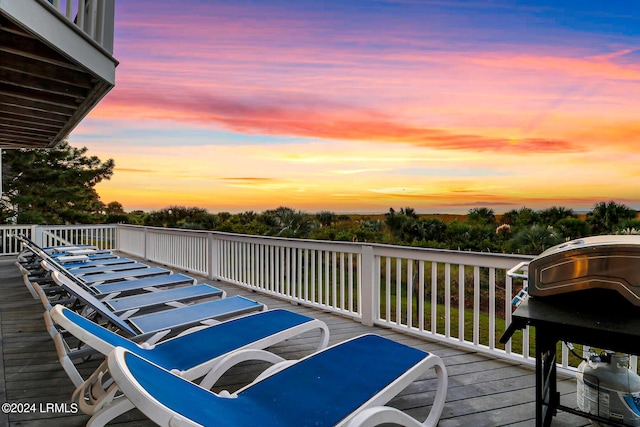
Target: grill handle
514 271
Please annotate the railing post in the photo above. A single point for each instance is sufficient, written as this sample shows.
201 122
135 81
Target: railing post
369 292
107 19
213 267
37 236
115 238
146 243
81 15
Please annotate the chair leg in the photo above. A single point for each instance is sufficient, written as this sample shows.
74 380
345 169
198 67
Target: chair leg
378 415
101 398
441 395
110 412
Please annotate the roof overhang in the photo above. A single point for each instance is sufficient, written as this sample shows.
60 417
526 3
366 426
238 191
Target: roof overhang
52 74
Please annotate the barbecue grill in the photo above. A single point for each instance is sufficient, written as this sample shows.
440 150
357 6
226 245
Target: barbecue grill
596 274
601 262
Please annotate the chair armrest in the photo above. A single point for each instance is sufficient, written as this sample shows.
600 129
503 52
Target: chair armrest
229 361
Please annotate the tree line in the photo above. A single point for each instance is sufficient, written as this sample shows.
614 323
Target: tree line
57 186
523 230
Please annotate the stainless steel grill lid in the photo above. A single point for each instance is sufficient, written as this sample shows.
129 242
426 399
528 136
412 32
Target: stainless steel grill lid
605 262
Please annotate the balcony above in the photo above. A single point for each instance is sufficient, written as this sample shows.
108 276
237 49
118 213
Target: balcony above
56 65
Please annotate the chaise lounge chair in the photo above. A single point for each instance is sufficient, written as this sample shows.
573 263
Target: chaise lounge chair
30 250
86 262
29 261
103 269
148 296
161 323
123 310
133 286
98 279
344 385
191 355
121 295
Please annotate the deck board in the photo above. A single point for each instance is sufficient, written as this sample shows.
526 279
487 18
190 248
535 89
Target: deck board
483 391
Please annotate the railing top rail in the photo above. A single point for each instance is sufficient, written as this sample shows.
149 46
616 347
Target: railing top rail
347 247
78 226
486 259
104 41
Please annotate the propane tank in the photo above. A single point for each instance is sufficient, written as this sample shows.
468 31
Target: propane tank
607 388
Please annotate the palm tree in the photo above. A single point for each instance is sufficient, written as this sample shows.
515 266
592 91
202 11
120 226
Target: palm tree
554 214
520 217
605 217
326 218
291 223
535 239
481 216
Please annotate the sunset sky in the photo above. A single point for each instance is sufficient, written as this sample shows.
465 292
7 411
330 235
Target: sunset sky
359 106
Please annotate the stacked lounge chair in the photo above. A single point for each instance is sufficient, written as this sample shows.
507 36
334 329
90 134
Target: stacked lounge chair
151 314
163 358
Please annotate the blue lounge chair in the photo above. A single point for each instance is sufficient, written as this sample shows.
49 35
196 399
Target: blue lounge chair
347 384
64 258
128 287
68 248
31 265
78 285
104 269
87 263
142 279
98 279
192 355
139 303
29 276
30 251
78 252
139 271
157 325
124 288
126 307
175 297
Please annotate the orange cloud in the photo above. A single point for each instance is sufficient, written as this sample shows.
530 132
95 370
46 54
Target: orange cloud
335 122
600 66
134 170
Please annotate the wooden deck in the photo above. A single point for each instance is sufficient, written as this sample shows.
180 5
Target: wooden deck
483 391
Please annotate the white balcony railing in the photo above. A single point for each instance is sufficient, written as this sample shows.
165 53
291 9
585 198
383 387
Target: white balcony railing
461 298
102 236
95 18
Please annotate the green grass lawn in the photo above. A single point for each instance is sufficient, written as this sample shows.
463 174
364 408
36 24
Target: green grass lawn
483 329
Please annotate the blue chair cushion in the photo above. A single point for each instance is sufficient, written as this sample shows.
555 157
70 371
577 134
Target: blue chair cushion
319 391
129 285
190 350
150 299
218 309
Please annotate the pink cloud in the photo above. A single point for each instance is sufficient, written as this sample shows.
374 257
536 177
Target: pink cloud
599 66
317 120
269 70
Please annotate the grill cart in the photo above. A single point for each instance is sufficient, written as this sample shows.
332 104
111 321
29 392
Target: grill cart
585 291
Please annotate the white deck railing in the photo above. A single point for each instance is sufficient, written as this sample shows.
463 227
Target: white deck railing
11 246
320 274
101 236
182 249
461 298
95 18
